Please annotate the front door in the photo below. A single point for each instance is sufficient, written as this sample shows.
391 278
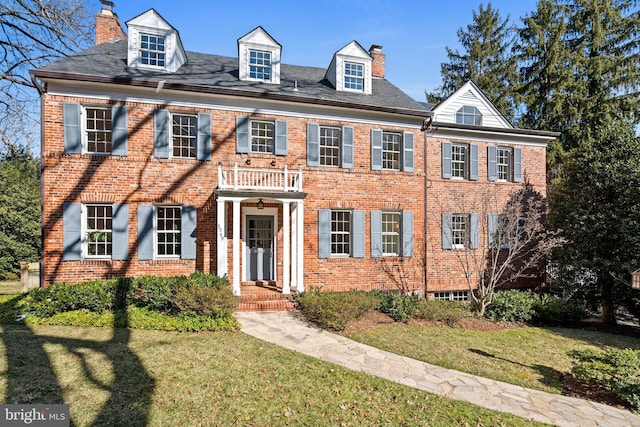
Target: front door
260 247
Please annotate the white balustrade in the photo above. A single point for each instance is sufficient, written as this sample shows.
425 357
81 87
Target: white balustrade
259 179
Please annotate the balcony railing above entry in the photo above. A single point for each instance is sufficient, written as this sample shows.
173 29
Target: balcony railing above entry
259 179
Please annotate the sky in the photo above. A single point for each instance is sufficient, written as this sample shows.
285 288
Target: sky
413 34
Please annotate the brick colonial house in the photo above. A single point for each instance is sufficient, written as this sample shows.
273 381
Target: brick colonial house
158 160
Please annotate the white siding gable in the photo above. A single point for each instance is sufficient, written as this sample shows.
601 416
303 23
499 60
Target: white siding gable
151 23
469 94
259 39
351 53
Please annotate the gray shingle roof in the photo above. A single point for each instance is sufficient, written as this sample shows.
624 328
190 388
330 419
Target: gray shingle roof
108 61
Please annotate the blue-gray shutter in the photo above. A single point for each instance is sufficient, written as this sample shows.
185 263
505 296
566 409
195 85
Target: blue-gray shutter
357 250
517 164
145 232
407 152
324 233
119 130
161 133
473 162
376 234
446 160
243 143
282 141
492 227
120 232
203 145
72 132
492 163
376 149
346 150
313 144
188 232
72 226
447 237
474 231
407 234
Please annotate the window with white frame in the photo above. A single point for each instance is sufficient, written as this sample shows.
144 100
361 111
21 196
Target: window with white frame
451 296
390 233
98 230
354 76
152 50
184 135
98 130
459 160
262 134
168 227
391 142
460 230
503 163
340 233
329 146
259 65
469 115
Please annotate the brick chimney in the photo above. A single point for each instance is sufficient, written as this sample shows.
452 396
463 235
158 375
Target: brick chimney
377 66
108 28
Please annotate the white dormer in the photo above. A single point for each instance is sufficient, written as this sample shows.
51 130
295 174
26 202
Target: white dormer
469 106
154 44
350 69
259 57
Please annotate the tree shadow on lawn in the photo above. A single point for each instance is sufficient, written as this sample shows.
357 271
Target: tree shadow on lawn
597 334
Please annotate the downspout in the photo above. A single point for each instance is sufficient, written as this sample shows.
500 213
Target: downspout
425 127
41 91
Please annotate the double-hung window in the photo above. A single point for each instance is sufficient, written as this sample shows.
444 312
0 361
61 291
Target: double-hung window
390 233
152 50
168 229
340 233
184 134
354 76
166 232
469 115
503 163
459 161
259 65
98 130
329 146
93 129
459 231
391 142
392 150
181 135
262 136
98 236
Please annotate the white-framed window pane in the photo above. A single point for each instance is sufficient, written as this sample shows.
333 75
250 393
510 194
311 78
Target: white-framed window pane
451 296
99 230
503 163
391 150
152 50
184 135
459 161
329 146
353 76
469 115
340 232
391 233
459 230
259 65
98 125
262 136
168 225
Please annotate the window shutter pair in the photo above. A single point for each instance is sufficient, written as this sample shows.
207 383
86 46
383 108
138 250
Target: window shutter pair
72 231
243 136
447 232
313 146
324 234
406 151
406 238
492 162
71 112
146 230
447 158
162 135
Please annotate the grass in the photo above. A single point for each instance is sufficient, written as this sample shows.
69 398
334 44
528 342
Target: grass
530 357
136 377
10 287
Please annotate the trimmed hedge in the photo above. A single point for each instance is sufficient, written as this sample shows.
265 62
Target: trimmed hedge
333 310
526 306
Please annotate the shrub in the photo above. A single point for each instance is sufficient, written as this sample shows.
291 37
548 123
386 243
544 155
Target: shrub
512 306
197 298
155 293
399 307
333 310
449 312
551 309
97 296
616 370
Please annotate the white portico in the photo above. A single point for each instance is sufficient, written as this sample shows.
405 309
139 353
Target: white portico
253 199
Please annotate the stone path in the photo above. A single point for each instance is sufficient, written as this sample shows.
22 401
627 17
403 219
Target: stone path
288 330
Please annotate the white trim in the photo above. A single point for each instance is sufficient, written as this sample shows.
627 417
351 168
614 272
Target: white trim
489 136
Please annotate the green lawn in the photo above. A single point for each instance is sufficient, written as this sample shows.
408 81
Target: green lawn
530 357
135 377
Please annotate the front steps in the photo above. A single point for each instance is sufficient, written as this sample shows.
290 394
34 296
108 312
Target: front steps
265 296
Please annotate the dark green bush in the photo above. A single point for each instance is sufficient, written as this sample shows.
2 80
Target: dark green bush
551 310
449 312
97 296
512 306
155 293
399 307
616 370
333 310
204 298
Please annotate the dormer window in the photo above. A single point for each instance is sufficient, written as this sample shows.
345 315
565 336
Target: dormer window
469 115
259 65
354 76
152 50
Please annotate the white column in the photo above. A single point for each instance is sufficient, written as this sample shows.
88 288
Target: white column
294 246
300 251
286 248
236 247
221 241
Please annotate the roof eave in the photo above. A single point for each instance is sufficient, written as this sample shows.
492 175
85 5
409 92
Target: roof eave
517 131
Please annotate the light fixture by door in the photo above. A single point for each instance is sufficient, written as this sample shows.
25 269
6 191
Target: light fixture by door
260 204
